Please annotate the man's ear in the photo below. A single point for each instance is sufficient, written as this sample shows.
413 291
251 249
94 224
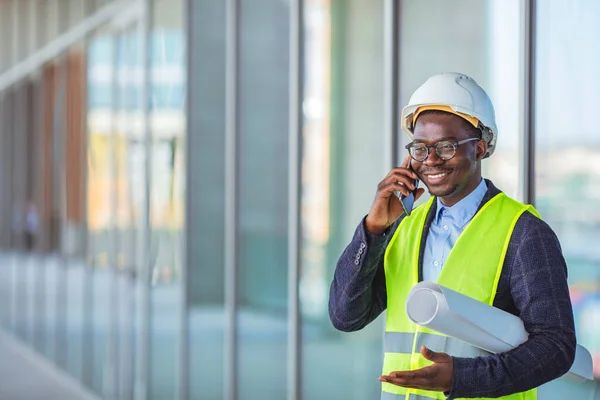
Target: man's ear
482 146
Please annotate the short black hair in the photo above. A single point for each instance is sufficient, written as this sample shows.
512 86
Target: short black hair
473 132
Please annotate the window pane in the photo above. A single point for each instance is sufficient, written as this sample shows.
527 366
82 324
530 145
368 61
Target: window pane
7 271
127 210
22 200
341 166
205 243
481 39
263 199
100 203
77 282
17 189
167 193
568 149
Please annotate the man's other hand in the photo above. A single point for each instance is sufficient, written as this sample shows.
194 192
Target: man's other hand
436 377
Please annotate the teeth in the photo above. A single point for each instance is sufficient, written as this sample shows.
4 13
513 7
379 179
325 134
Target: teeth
437 176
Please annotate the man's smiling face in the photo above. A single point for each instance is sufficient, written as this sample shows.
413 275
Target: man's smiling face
453 179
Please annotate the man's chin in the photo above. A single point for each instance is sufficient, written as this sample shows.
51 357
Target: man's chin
442 191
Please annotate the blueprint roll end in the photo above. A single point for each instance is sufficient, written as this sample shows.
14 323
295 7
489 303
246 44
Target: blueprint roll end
422 306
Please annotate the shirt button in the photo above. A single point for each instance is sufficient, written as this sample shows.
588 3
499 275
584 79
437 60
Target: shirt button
436 263
445 227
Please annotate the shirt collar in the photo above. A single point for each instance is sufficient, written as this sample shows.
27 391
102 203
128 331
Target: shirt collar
464 210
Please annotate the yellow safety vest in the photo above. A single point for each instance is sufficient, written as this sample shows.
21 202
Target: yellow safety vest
473 268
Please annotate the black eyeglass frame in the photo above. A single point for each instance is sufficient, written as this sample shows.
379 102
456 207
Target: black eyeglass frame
455 144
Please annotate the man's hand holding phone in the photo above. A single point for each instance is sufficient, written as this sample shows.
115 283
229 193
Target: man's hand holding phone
387 207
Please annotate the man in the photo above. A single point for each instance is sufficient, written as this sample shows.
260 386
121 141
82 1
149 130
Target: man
506 256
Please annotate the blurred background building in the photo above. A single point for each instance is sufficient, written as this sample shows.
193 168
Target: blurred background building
179 177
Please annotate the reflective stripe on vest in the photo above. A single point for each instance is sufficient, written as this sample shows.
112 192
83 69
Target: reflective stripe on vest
473 268
403 342
393 396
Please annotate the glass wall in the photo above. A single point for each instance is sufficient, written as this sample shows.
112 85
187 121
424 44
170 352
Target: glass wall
481 39
263 94
8 304
101 199
567 176
343 153
115 197
73 163
206 198
75 227
167 191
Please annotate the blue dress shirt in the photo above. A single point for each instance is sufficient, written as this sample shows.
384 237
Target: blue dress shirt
446 227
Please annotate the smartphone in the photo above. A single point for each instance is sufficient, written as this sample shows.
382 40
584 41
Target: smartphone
408 201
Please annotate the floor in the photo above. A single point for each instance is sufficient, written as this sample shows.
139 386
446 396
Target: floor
23 375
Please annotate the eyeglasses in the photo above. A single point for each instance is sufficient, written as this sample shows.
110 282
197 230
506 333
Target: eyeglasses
445 149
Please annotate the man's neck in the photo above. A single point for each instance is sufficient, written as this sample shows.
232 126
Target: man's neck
449 201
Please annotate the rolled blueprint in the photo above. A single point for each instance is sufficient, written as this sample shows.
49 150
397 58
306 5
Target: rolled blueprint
478 324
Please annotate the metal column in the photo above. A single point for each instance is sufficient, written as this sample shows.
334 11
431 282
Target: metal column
144 267
528 117
184 339
231 201
294 356
391 84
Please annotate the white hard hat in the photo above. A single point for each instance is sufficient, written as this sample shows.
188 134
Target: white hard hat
457 94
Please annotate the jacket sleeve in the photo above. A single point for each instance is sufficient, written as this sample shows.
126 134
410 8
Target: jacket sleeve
539 290
357 294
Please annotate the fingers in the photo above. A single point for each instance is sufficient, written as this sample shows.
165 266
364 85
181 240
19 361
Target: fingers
437 377
400 382
428 378
403 170
388 189
434 356
398 181
395 182
419 378
401 176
